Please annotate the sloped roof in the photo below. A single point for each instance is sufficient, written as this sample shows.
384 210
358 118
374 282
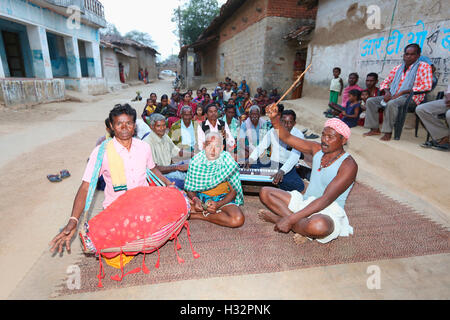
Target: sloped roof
119 40
299 34
117 49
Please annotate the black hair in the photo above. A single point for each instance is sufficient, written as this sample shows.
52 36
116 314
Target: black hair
289 113
122 109
356 93
281 108
354 74
206 108
418 50
154 94
229 106
337 68
108 125
200 106
373 74
164 96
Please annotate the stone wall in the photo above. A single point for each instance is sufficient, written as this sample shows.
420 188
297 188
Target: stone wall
343 39
31 91
91 86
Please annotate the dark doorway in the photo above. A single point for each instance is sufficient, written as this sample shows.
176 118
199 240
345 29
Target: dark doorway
299 67
14 54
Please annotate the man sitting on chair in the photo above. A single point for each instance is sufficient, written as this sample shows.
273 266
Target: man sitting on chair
319 213
283 157
410 76
213 185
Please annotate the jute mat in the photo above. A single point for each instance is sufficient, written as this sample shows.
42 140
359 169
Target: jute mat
383 229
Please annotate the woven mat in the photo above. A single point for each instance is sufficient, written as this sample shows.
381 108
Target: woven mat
384 229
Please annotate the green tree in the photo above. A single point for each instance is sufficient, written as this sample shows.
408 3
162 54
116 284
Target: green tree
141 37
193 18
110 29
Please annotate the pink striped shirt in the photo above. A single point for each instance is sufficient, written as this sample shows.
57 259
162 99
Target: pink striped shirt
136 161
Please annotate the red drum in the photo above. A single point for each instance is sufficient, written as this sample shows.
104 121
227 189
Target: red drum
141 220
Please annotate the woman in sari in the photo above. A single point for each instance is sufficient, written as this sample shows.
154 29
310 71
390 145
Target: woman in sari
186 102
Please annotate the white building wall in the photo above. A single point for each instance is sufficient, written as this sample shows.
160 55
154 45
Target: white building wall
344 38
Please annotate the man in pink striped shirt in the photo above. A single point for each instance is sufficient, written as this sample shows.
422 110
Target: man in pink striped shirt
410 76
136 156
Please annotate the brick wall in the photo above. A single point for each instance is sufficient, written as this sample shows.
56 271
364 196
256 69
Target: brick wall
254 11
289 9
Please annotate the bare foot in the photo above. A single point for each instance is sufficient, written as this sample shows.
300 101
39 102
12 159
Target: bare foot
299 239
267 216
372 132
386 137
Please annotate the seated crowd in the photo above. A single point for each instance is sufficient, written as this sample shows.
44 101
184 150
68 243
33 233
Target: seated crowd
198 143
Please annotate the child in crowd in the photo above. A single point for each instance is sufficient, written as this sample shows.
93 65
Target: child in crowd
149 108
364 96
199 114
336 85
350 114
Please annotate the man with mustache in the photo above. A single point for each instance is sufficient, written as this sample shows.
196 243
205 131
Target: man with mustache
319 213
124 166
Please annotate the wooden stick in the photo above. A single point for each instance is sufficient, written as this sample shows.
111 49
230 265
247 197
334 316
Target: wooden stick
293 85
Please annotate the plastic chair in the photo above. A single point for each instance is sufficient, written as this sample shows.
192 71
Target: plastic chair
403 110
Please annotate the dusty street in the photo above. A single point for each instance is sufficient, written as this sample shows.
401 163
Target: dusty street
48 138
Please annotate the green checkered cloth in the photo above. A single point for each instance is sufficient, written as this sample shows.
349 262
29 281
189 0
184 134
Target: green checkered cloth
204 174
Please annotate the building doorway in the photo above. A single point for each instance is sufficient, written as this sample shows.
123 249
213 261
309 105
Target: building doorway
14 55
299 67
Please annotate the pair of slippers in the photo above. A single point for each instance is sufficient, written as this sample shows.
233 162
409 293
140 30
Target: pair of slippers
436 146
58 177
309 136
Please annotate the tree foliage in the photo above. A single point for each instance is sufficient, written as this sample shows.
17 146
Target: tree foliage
110 29
193 18
141 37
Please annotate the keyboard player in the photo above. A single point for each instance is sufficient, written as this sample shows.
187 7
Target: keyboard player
283 158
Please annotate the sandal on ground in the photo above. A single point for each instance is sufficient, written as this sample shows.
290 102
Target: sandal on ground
311 136
427 144
64 174
441 147
54 177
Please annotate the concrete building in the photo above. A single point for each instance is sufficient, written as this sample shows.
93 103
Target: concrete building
129 56
370 36
47 46
250 40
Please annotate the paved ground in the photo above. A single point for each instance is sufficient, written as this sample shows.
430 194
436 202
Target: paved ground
48 138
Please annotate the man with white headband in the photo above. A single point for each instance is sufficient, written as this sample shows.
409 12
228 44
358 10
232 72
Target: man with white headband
319 213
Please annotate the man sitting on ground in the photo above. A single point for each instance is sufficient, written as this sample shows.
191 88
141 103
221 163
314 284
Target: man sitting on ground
251 133
319 213
164 150
213 185
184 133
214 124
410 76
124 167
283 157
